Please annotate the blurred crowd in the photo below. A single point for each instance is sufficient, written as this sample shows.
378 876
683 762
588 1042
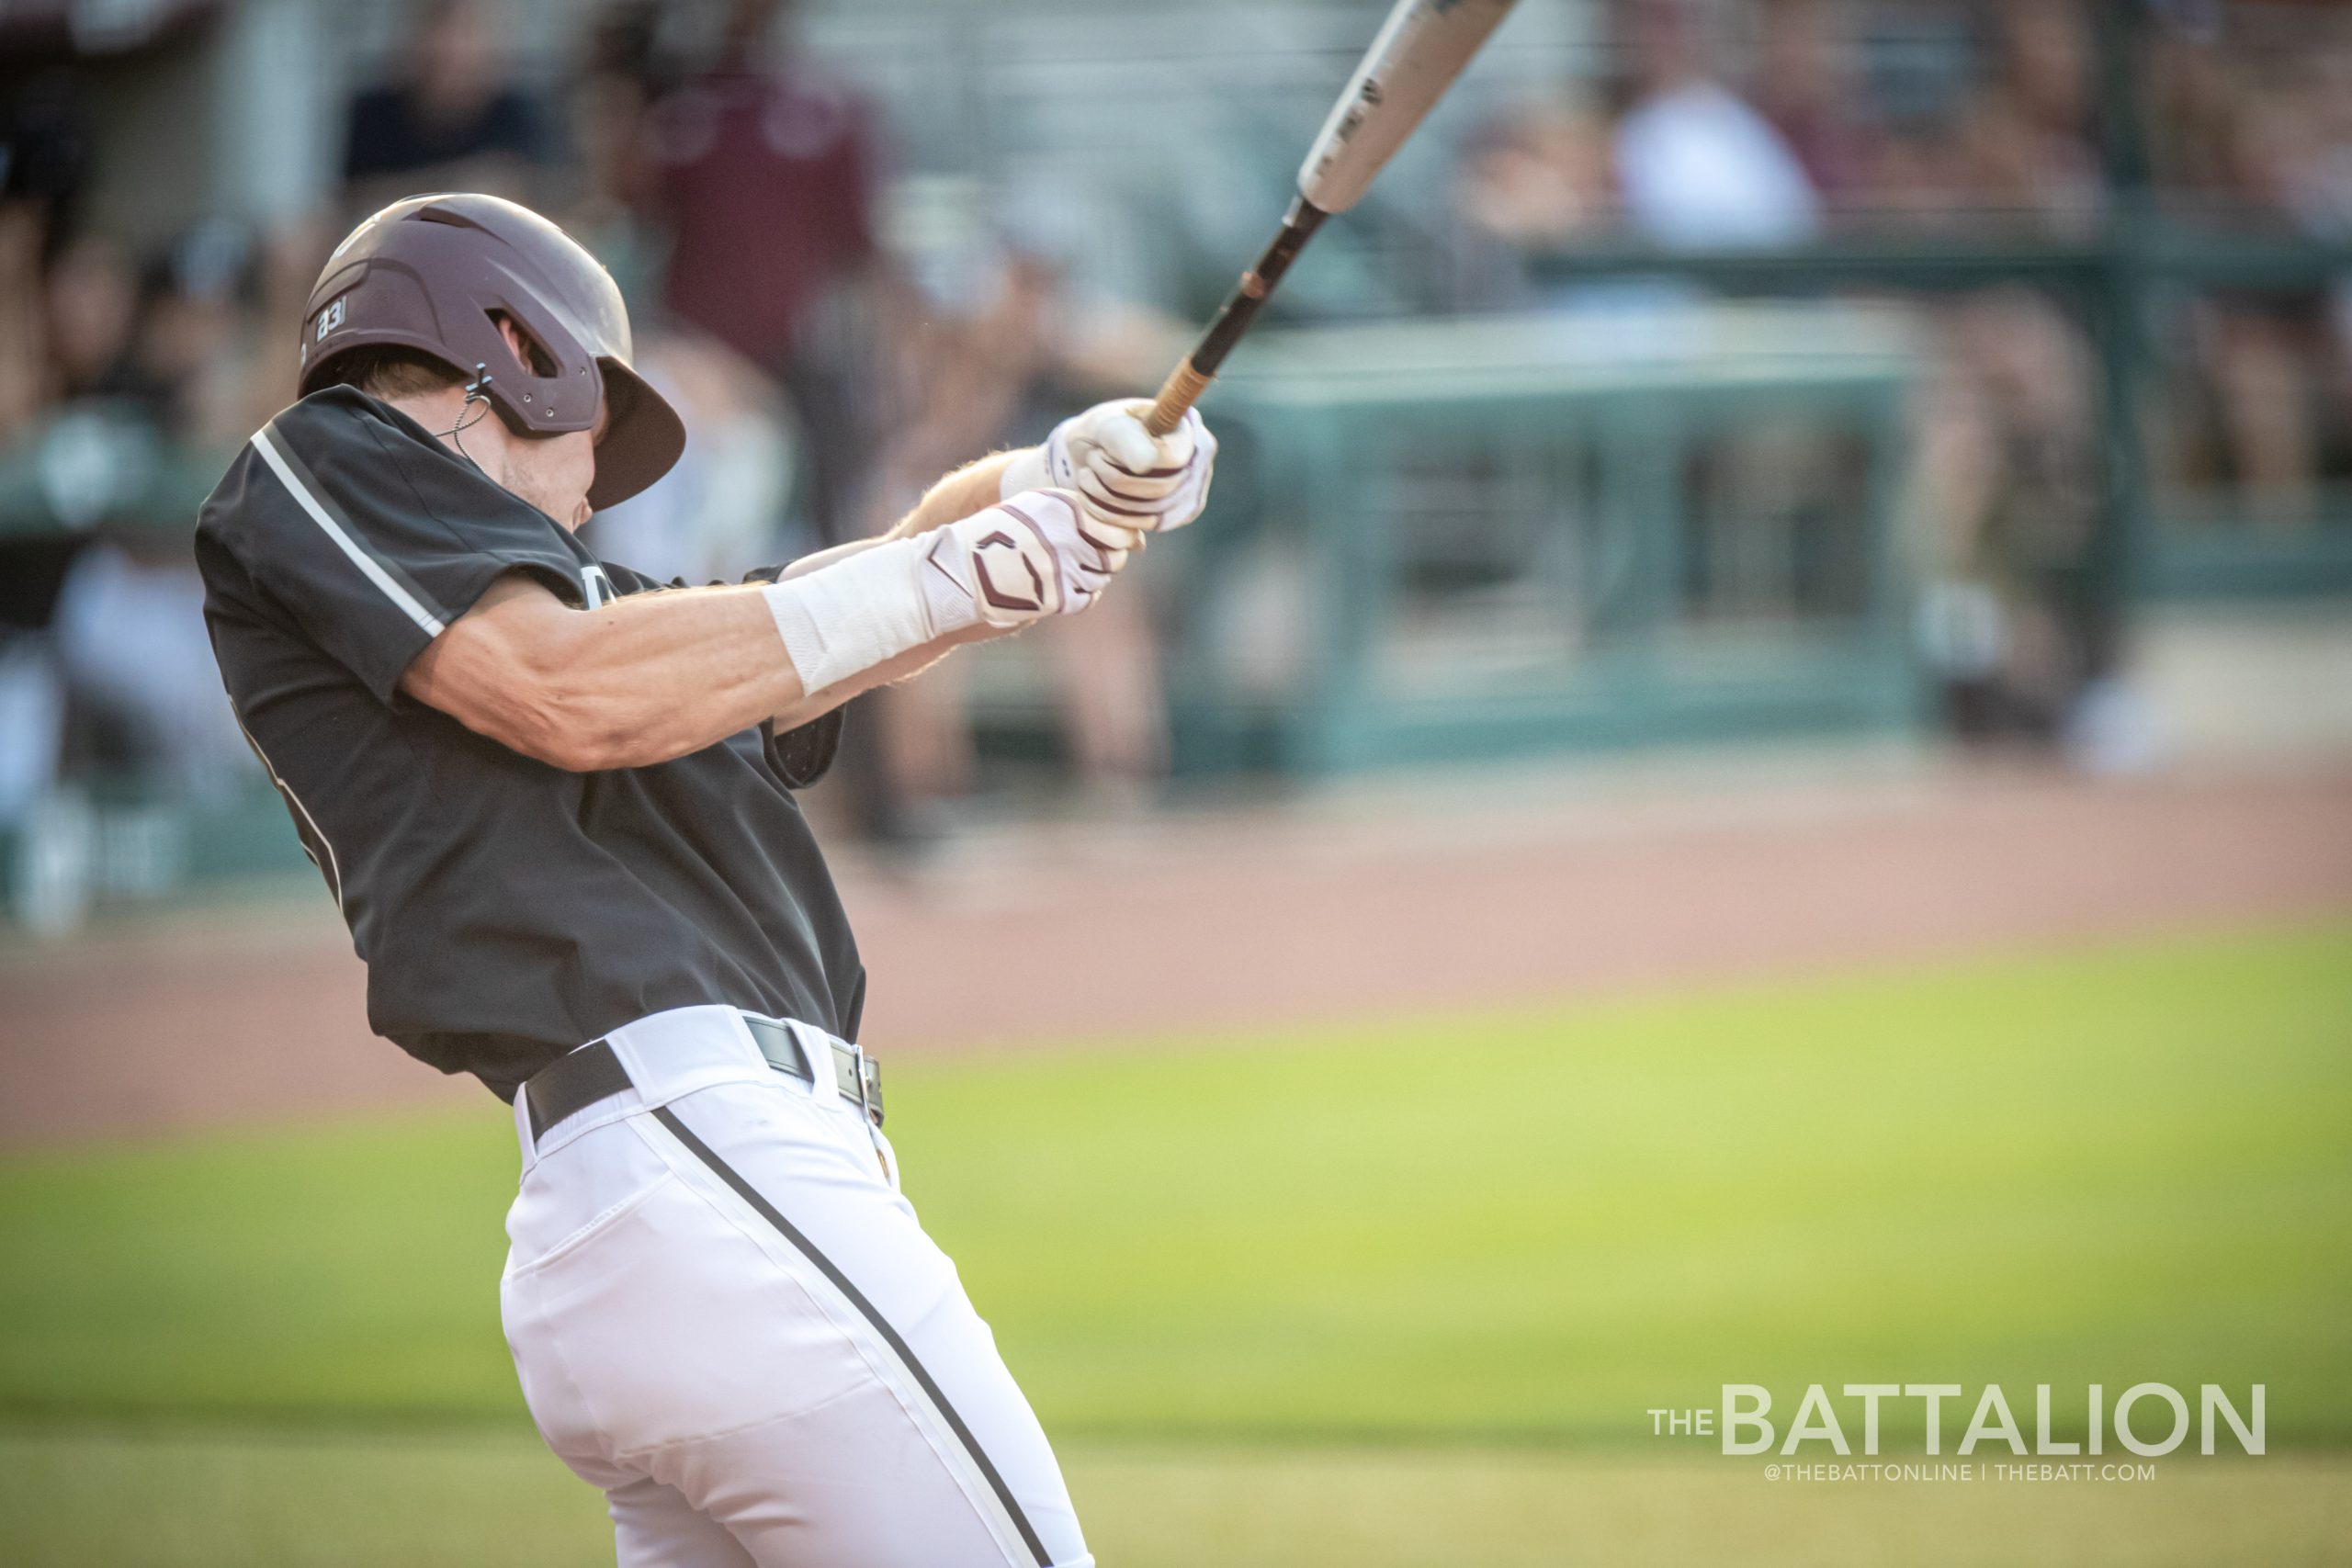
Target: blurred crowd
829 368
1789 123
733 187
1759 123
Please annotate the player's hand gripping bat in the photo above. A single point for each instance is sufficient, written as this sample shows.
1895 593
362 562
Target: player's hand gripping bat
1421 48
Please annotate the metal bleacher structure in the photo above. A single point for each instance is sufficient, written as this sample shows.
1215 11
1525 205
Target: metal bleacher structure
1455 539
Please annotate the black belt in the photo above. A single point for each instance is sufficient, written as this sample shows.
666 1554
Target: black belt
593 1074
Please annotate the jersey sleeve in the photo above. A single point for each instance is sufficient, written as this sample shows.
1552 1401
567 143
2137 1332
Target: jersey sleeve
629 580
372 541
804 754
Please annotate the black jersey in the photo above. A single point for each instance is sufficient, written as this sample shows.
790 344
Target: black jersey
507 911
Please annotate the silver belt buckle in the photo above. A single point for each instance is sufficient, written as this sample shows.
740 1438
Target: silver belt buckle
856 1077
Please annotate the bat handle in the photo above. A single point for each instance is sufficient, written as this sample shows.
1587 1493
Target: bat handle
1180 391
1192 376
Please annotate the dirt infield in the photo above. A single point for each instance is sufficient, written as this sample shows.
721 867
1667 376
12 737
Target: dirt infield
1355 904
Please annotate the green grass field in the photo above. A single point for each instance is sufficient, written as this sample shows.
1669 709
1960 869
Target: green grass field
1381 1295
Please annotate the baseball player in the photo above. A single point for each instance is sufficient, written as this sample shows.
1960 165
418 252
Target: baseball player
553 800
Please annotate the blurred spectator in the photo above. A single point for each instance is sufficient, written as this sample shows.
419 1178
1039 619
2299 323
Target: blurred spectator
625 71
2193 99
717 514
721 512
1806 86
1696 166
46 134
1536 176
450 121
765 171
761 172
2026 141
44 163
44 155
131 374
192 344
1026 324
2249 116
105 667
1533 181
23 372
2008 492
91 294
139 664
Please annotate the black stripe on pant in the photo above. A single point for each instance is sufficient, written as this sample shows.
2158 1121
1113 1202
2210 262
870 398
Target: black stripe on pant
905 1352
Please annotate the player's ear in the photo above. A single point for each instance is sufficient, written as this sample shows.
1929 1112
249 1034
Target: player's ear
527 350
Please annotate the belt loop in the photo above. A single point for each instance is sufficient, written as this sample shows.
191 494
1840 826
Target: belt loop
744 1033
817 1059
523 1129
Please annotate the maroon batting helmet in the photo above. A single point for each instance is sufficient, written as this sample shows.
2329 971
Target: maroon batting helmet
431 273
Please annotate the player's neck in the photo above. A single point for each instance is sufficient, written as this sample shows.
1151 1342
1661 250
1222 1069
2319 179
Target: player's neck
551 473
471 430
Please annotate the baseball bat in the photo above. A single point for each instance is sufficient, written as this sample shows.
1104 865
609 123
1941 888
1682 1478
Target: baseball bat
1420 51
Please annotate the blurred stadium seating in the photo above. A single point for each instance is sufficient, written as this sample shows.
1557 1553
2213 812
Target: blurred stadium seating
2108 237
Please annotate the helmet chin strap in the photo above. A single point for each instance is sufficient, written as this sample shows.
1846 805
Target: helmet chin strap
475 391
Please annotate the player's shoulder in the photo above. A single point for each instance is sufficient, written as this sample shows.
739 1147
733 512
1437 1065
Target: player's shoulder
340 439
318 453
329 426
331 418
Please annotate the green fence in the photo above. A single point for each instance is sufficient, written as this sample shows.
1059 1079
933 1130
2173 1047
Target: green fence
2116 284
1455 539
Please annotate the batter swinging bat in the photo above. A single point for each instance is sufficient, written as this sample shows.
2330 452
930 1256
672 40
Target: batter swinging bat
1421 48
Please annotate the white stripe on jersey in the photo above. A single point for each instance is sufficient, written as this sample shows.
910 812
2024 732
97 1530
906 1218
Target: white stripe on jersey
366 563
333 868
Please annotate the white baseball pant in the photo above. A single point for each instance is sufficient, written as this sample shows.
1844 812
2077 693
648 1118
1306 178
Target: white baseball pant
725 1315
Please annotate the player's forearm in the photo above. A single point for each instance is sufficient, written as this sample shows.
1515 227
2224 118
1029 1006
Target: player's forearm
958 494
817 560
889 673
885 613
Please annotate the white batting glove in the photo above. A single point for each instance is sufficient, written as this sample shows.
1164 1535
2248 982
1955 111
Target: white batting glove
1036 553
1120 470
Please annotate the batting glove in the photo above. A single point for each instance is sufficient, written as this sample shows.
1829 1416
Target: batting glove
1036 553
1122 474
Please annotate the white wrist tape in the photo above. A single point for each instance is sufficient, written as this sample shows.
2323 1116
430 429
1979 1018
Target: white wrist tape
847 617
